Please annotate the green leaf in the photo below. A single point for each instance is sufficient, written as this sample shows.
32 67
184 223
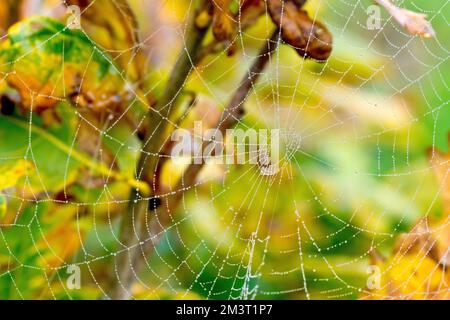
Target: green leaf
53 153
48 150
3 206
12 171
47 62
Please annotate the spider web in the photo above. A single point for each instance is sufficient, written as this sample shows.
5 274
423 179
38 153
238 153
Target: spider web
351 177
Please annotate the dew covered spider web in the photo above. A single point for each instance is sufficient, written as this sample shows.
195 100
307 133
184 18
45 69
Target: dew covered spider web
357 132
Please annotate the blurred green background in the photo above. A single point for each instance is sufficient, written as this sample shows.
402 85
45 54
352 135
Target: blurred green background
357 175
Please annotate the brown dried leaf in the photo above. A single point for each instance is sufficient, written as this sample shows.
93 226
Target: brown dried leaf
419 265
427 238
413 22
251 11
9 13
417 269
113 25
224 24
441 163
310 38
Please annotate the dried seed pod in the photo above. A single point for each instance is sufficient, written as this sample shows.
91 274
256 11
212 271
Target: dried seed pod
224 25
310 38
250 12
225 22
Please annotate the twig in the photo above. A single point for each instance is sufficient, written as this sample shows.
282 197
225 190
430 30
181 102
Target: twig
234 111
137 223
231 115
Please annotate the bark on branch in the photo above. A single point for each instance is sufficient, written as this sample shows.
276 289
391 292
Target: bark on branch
132 231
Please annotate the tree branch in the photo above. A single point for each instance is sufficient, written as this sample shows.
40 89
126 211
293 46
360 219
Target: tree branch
231 115
234 111
131 228
142 220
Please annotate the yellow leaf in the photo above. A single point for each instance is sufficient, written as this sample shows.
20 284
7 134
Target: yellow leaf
3 206
419 266
113 25
11 173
